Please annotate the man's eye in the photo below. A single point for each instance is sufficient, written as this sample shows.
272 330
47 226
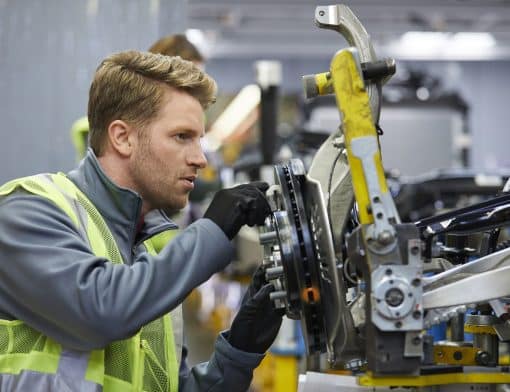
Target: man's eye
182 136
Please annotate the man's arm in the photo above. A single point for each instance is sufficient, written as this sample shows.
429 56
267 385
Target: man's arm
238 351
229 369
51 280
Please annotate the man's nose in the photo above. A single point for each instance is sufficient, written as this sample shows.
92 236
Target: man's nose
197 157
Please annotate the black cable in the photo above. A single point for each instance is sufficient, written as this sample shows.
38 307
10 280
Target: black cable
379 130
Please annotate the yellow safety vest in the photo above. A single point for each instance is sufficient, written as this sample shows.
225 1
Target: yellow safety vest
148 361
79 136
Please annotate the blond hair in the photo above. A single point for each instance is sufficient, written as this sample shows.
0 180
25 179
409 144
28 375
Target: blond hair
129 86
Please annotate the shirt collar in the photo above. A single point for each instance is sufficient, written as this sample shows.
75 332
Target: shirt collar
121 207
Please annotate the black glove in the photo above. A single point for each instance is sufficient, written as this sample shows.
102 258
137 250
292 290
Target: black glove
257 323
234 207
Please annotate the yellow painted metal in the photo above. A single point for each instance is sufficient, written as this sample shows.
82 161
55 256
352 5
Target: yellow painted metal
479 329
286 371
504 360
455 355
263 376
324 83
354 106
276 373
435 379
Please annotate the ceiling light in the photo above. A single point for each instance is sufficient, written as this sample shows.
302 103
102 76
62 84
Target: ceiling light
473 40
423 40
430 45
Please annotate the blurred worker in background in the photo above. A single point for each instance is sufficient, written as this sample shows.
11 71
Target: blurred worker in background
178 45
84 296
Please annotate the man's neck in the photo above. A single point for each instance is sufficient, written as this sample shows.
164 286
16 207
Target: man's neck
116 170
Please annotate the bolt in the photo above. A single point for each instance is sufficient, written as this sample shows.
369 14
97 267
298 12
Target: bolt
457 355
394 297
268 237
415 250
416 282
321 13
416 340
277 295
388 271
398 324
416 314
482 358
385 237
274 272
338 141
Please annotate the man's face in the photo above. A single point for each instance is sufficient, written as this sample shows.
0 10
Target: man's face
168 153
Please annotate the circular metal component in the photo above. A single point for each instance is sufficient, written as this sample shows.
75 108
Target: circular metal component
268 237
385 237
274 272
394 297
295 253
393 301
310 87
482 358
277 295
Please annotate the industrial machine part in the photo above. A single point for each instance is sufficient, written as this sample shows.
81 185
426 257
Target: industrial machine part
446 189
365 285
269 80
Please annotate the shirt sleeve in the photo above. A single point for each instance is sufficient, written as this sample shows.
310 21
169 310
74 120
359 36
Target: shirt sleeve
229 369
51 280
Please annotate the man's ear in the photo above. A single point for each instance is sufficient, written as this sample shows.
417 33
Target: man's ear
120 136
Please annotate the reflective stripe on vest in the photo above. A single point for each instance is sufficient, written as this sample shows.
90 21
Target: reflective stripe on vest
148 361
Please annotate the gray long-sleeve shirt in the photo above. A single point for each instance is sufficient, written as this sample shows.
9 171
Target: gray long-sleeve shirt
50 279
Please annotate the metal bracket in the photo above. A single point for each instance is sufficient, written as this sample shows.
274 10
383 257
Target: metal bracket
490 282
341 19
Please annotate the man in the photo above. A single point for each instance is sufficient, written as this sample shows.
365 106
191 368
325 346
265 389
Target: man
84 298
169 45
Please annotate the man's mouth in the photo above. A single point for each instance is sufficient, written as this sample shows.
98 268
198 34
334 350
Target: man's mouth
190 180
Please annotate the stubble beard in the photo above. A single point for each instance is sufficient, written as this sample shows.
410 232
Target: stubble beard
155 188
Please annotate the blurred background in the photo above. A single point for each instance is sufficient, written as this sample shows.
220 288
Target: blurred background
49 51
443 113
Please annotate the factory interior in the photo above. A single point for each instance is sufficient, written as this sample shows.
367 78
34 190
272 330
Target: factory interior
379 127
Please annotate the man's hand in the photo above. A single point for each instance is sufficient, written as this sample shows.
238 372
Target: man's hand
257 323
234 207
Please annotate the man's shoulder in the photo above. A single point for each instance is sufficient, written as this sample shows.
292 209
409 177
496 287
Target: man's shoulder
20 199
